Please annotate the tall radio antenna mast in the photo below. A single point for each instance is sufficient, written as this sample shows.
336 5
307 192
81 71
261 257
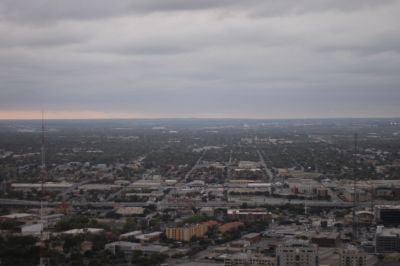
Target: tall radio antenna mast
43 172
43 176
355 194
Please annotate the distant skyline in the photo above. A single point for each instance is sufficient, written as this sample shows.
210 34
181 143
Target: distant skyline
199 59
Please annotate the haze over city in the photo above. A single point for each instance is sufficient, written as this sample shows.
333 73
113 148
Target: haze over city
200 59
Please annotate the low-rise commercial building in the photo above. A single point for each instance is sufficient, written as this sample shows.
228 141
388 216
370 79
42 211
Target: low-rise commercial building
307 187
48 186
32 229
252 237
131 235
248 165
83 231
18 217
129 211
129 247
99 187
358 195
249 214
150 237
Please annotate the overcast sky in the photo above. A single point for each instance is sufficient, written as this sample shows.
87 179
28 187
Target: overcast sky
199 58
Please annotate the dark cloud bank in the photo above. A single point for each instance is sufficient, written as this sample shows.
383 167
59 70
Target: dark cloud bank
220 58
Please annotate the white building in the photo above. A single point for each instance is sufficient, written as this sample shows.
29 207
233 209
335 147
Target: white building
129 247
83 231
32 229
247 165
48 186
98 187
132 234
306 187
129 211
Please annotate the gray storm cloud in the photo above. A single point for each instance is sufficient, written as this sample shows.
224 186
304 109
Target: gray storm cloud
193 58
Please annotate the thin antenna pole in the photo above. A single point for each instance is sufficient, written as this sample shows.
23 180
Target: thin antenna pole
43 169
355 229
43 176
43 154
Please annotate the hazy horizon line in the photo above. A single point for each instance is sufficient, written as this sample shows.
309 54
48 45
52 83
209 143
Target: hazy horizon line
204 118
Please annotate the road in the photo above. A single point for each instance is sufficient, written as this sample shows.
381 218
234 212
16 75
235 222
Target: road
106 204
64 194
268 172
216 204
259 201
195 166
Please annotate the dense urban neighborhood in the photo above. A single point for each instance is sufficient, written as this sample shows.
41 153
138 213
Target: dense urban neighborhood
200 192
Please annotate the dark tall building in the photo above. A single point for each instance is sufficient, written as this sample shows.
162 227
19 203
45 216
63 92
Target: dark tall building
387 215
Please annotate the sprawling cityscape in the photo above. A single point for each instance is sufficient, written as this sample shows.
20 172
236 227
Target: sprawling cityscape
200 192
199 133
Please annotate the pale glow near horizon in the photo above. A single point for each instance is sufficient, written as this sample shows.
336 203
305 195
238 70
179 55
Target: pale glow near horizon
35 115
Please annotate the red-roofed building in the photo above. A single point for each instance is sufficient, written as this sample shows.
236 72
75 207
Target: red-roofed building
232 226
212 223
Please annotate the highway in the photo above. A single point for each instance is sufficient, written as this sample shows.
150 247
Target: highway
163 204
64 194
106 204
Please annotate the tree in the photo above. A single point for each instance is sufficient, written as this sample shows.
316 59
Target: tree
130 225
77 222
19 250
72 242
10 225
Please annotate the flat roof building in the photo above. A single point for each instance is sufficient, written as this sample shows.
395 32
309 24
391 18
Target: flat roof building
387 240
49 186
297 253
83 231
20 217
129 247
129 211
249 214
244 259
350 256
